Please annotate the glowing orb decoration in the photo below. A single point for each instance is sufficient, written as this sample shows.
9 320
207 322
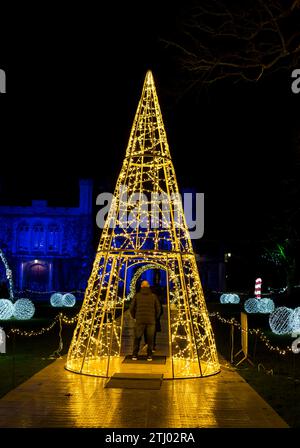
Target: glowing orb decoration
265 305
281 320
68 300
295 320
229 298
223 298
24 309
56 299
251 305
296 346
6 309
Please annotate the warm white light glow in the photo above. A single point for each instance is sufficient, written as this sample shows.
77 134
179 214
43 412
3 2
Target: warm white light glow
147 169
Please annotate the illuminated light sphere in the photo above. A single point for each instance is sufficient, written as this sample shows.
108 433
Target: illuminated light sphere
24 309
56 299
296 346
265 305
223 298
251 305
6 309
229 298
295 321
68 300
281 320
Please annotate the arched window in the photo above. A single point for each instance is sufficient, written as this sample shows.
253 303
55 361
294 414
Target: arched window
53 238
38 238
23 237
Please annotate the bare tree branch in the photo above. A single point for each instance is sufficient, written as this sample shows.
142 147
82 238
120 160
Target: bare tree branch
222 41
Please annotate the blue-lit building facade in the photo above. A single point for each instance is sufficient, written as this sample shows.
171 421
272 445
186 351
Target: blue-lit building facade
52 248
49 248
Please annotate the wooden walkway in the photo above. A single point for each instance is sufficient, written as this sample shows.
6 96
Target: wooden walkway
56 398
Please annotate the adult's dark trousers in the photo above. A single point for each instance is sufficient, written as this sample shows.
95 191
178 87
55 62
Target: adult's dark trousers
140 329
154 338
157 326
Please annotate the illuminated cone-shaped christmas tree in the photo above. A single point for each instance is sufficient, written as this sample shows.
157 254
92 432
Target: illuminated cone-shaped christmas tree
145 227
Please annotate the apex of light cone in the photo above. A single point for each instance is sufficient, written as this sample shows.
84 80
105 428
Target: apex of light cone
149 80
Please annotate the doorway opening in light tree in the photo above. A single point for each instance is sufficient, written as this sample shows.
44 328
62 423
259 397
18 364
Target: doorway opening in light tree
153 273
96 347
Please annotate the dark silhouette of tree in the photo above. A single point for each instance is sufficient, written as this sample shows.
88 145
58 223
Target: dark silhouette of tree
243 41
284 226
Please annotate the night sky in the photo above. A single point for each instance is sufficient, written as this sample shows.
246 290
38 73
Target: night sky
74 78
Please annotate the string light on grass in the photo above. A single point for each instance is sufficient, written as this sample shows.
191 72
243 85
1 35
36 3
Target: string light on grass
6 309
295 348
24 309
32 333
281 320
257 332
68 300
56 300
229 298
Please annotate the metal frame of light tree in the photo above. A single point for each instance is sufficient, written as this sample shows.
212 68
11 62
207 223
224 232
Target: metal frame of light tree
163 241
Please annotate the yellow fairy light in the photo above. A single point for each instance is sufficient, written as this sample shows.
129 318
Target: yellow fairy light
29 333
159 239
256 332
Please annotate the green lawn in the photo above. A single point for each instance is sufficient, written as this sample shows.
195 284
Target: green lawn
27 355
